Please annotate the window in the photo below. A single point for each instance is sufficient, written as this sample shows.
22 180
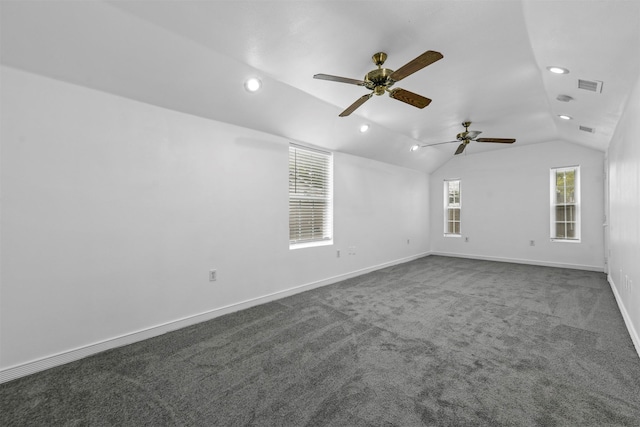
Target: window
565 204
310 197
452 207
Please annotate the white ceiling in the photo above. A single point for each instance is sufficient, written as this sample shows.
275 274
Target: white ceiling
193 56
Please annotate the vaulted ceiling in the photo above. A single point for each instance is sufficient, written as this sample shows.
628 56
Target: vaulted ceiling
194 56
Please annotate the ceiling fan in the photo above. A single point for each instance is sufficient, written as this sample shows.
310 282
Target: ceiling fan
466 137
381 79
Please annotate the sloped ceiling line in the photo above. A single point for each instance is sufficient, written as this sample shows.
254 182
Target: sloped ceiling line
193 56
592 40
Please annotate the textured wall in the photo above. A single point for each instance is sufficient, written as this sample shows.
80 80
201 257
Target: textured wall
113 212
624 213
505 205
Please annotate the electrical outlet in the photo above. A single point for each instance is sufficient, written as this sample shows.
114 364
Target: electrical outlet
213 275
466 240
338 253
532 242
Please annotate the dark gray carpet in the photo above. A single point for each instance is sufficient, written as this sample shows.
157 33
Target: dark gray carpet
437 341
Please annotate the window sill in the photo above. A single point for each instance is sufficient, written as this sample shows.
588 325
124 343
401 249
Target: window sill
452 235
310 244
565 240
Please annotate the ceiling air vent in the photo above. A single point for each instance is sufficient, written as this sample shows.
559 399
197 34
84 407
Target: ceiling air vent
587 129
590 85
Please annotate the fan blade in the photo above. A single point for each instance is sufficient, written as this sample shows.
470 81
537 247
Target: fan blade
473 134
439 143
499 140
409 97
338 79
352 107
460 149
427 58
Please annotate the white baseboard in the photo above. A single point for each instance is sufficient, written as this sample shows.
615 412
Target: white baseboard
625 315
597 268
62 358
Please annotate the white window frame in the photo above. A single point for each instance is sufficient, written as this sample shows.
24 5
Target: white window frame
554 204
448 206
300 229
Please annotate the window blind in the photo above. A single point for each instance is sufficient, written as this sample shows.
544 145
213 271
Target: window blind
310 195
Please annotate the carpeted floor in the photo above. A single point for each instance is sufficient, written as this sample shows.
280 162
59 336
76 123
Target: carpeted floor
437 341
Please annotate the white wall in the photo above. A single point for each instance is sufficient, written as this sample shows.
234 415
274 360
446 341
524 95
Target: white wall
113 211
505 205
624 214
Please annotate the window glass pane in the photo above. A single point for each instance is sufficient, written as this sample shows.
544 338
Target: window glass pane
454 192
452 207
564 206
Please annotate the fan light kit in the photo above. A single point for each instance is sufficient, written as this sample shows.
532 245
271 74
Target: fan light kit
381 79
465 138
253 84
565 117
364 128
558 70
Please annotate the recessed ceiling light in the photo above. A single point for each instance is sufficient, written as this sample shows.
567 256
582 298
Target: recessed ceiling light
253 84
558 70
564 98
565 117
364 128
414 148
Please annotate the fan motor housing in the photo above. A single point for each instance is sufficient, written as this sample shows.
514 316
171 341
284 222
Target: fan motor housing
378 78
